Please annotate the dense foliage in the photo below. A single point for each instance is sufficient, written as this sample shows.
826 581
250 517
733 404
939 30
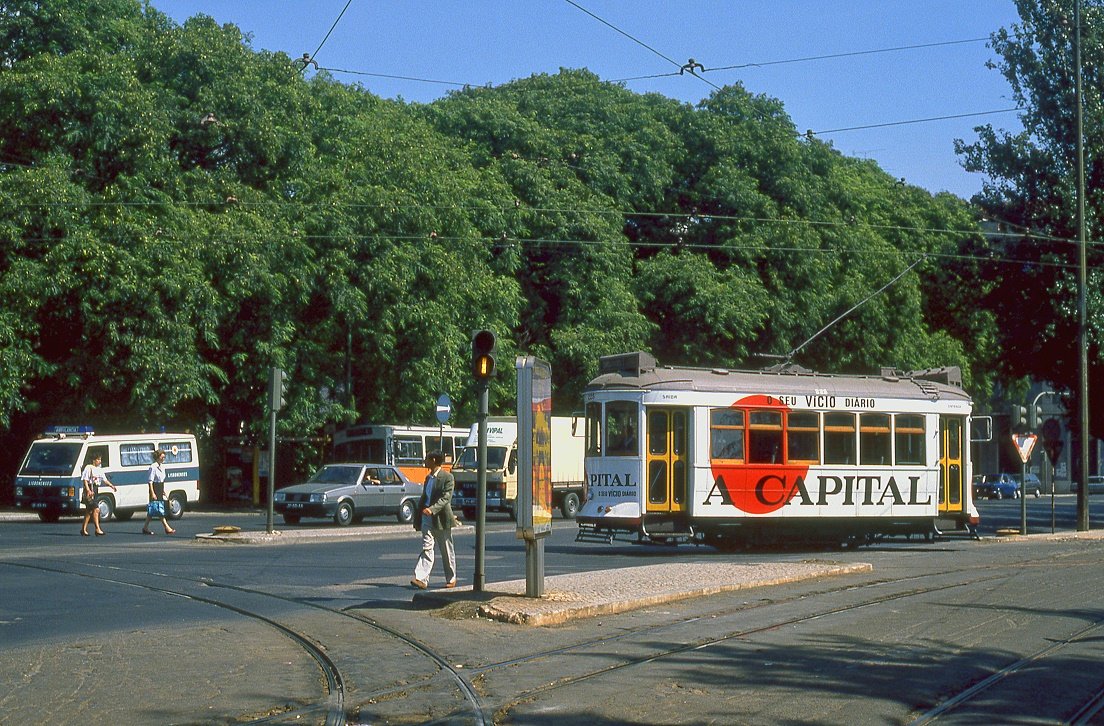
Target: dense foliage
179 213
1032 196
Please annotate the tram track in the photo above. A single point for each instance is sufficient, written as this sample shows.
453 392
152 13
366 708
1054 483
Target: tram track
1083 714
546 692
332 705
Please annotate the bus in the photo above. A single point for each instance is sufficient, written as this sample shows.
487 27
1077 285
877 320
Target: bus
49 480
750 458
403 447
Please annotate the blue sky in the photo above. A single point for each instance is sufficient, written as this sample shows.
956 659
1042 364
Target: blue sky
438 45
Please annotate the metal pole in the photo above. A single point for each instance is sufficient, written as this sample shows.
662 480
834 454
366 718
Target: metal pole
271 464
1023 499
478 577
1082 301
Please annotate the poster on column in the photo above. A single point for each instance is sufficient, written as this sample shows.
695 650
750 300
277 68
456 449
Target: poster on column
534 407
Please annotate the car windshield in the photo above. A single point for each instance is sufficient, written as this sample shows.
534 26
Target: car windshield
336 475
56 458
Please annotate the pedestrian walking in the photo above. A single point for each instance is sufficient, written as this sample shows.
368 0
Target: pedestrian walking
91 478
158 504
434 519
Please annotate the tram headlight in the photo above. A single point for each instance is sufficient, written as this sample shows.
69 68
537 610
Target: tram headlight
19 491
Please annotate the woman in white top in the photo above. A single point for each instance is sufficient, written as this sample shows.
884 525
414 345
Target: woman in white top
91 478
157 494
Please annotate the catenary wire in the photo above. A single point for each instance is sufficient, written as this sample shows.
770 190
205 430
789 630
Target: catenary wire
636 40
329 32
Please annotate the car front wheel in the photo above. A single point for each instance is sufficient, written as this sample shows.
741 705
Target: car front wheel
405 514
343 517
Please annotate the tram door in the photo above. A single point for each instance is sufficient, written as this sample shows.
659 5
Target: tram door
667 465
952 460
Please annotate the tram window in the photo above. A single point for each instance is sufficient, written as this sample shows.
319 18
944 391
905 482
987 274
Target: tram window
621 429
594 429
678 426
726 434
657 482
910 439
657 433
765 437
803 436
839 438
874 439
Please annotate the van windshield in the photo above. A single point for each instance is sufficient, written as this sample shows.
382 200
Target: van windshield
51 458
496 458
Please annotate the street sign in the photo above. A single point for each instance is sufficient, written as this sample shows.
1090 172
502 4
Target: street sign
1024 444
444 408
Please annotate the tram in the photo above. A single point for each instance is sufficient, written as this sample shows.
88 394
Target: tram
756 458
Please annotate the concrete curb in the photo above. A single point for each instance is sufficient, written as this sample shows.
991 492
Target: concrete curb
614 591
279 537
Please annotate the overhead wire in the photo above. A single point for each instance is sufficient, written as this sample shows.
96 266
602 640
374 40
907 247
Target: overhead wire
681 66
314 55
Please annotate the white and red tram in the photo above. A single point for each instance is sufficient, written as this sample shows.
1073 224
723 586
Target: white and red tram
737 458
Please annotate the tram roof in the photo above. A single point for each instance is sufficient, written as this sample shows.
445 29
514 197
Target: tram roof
641 370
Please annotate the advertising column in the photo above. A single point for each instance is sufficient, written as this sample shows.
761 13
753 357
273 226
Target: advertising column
534 502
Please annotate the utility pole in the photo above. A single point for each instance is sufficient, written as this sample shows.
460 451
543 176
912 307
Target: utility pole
1082 300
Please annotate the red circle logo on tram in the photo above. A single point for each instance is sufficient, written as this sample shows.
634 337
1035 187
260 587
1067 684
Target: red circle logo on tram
756 486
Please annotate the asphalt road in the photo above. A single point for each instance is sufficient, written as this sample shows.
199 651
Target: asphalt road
128 628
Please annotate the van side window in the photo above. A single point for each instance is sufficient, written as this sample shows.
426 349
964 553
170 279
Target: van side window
177 452
104 452
136 454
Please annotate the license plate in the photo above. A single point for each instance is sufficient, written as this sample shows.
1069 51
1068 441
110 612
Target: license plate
295 505
38 505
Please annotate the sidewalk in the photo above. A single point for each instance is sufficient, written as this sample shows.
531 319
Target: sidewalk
591 594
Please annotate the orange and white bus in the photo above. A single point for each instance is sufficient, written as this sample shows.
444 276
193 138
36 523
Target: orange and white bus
403 447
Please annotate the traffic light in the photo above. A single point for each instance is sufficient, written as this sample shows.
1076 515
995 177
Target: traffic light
1034 418
1018 417
483 350
276 389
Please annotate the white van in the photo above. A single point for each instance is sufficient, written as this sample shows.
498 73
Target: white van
49 481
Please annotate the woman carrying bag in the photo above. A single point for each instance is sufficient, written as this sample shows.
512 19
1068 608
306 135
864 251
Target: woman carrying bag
156 507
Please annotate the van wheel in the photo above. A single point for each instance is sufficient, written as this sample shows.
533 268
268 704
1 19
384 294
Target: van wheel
343 517
569 507
123 515
174 507
106 507
406 512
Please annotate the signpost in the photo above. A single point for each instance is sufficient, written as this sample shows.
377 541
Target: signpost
1024 444
1052 444
444 413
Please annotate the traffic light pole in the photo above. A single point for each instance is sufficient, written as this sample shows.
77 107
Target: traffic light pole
271 467
478 577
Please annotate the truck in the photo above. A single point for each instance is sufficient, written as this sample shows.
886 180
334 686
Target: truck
502 467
